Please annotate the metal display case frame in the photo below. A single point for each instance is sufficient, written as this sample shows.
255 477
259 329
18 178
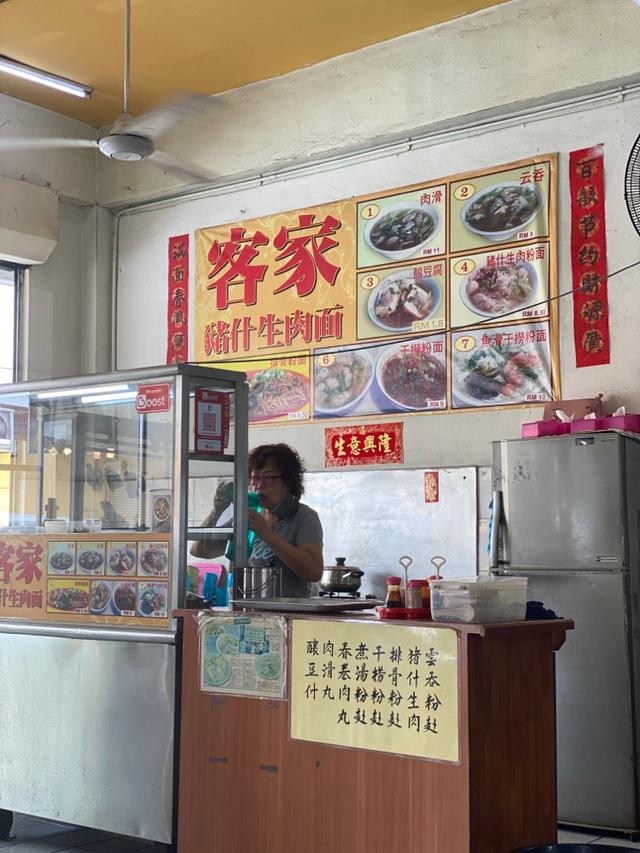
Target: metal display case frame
63 680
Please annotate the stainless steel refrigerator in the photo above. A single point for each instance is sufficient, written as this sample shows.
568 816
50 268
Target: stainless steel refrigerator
569 510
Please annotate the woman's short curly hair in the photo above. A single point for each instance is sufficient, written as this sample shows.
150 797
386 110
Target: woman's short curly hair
287 461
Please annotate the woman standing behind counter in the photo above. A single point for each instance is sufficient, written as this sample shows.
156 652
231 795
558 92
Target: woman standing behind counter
288 533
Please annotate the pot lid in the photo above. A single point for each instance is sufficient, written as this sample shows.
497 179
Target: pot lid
340 566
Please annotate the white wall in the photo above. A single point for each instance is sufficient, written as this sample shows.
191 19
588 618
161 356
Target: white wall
434 439
67 318
67 321
477 66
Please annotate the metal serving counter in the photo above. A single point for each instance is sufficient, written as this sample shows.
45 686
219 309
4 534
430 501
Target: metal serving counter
94 519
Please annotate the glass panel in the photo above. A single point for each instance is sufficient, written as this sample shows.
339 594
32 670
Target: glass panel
82 456
7 325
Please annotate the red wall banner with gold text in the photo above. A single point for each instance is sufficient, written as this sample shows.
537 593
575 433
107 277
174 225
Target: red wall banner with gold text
178 300
589 257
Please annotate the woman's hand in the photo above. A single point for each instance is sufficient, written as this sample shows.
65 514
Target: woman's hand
221 498
260 522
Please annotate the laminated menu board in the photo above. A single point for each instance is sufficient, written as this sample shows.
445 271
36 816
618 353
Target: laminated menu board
433 297
120 579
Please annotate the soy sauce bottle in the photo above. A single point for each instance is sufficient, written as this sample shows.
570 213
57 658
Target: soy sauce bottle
394 596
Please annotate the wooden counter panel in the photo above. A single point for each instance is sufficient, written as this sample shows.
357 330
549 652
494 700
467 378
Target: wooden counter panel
245 787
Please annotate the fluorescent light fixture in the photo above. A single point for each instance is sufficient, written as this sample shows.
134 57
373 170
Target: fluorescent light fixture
44 78
120 397
77 392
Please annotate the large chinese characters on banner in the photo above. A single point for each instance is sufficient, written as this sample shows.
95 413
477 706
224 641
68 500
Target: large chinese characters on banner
433 297
23 567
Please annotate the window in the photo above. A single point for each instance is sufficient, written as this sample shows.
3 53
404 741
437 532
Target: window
10 278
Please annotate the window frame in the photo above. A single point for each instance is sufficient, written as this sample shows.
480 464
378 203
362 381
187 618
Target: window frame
18 289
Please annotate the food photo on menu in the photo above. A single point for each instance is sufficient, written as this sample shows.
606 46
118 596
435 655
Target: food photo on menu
279 388
402 226
404 376
501 366
500 207
399 300
508 283
68 596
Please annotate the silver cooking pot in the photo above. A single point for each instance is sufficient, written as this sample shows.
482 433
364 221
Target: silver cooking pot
341 578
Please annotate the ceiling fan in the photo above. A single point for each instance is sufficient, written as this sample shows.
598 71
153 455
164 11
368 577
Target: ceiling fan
132 138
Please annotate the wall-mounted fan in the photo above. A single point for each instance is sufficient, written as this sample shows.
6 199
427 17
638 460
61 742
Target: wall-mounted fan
632 185
132 139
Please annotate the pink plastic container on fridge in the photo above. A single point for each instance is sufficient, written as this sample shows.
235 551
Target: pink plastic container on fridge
588 424
627 423
538 429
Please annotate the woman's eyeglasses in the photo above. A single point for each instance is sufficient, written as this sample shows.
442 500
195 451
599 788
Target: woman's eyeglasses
265 479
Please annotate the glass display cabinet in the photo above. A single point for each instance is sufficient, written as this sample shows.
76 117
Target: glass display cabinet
104 479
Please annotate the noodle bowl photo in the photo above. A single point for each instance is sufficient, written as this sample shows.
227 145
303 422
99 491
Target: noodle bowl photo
275 393
410 378
341 384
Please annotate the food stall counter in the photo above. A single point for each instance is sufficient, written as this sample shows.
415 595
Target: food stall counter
372 736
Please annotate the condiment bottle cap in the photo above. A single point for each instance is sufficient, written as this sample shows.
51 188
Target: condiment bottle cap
415 584
394 580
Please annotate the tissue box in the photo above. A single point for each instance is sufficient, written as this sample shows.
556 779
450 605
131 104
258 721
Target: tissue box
627 423
538 429
588 424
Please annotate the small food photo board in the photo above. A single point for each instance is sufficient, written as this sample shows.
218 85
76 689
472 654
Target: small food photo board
244 655
62 558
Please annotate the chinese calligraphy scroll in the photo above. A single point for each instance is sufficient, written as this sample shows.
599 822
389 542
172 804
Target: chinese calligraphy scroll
364 445
589 257
178 300
391 689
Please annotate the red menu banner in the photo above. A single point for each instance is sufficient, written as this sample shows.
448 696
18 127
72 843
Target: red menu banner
589 257
178 300
363 445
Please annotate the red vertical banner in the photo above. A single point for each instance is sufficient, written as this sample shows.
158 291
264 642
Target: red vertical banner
589 257
178 300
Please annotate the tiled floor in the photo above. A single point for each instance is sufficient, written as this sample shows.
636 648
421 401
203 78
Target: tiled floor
33 835
584 838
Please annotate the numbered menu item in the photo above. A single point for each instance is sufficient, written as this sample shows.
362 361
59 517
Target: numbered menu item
153 599
404 376
70 595
401 226
501 366
91 558
153 558
402 300
507 284
500 207
122 558
61 558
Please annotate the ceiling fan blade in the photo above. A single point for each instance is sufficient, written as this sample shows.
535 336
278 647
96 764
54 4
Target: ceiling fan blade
165 117
181 168
19 143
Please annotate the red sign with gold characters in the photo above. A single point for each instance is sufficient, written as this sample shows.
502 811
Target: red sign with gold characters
178 300
363 445
431 487
589 257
